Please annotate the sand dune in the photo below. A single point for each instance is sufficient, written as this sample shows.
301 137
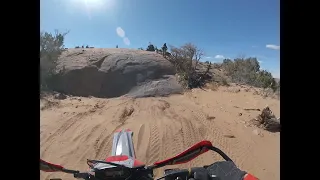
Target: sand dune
77 128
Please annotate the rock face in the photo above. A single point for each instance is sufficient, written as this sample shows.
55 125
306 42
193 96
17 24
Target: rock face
115 72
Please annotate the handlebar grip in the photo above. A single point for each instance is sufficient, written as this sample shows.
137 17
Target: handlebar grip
82 175
196 173
172 174
200 173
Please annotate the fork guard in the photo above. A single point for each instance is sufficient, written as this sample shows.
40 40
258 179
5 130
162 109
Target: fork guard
123 143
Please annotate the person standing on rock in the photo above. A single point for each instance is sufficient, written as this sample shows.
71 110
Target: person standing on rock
164 49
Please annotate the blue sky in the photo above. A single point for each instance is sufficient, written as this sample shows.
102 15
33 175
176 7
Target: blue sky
222 28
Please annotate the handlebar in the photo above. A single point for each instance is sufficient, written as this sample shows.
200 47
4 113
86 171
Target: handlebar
147 171
172 174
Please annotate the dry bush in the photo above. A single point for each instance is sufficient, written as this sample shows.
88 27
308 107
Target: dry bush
185 59
224 82
267 121
217 65
51 46
268 92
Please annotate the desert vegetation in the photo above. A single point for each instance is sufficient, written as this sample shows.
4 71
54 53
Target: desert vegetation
185 59
51 47
77 117
87 46
242 70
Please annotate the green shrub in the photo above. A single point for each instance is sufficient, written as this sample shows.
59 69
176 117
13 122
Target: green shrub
247 71
185 59
150 47
51 46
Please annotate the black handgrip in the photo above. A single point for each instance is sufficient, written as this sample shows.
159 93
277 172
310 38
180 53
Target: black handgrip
83 175
199 173
196 173
172 174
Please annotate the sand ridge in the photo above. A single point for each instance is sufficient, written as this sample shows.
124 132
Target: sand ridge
77 128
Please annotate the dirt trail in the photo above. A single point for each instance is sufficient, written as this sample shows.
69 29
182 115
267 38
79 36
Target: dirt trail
76 129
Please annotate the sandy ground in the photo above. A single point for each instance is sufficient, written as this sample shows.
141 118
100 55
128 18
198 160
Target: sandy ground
77 128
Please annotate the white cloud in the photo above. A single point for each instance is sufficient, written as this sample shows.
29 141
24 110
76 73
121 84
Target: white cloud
208 57
120 32
219 57
126 41
260 62
272 46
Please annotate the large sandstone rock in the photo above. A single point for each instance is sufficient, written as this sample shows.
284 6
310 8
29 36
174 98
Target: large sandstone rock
115 72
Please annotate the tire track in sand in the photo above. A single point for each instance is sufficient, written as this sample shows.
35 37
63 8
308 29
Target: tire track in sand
154 145
178 135
176 144
171 144
67 125
213 134
104 148
97 145
208 131
140 136
238 151
71 121
190 137
167 134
